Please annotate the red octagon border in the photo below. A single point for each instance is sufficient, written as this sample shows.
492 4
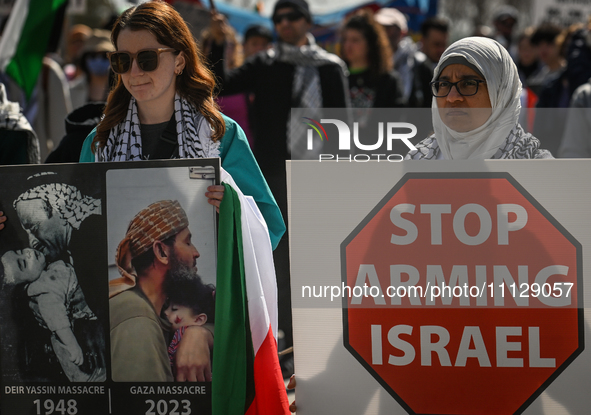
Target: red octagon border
536 204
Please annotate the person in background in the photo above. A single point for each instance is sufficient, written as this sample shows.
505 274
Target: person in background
233 56
528 61
576 142
435 34
79 123
75 41
531 77
552 109
403 47
19 143
505 19
52 103
89 93
257 38
93 85
476 107
546 39
365 50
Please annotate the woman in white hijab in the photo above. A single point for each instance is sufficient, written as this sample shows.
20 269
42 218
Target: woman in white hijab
476 107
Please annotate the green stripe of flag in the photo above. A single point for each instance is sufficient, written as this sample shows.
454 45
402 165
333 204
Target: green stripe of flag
233 357
25 65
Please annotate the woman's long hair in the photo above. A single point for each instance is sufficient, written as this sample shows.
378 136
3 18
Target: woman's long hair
379 54
196 84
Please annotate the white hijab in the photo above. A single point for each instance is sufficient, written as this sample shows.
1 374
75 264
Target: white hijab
504 89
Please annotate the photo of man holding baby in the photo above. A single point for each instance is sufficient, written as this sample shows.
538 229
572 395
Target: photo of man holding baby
52 321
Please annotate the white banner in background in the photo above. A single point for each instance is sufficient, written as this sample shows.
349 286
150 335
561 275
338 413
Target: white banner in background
562 12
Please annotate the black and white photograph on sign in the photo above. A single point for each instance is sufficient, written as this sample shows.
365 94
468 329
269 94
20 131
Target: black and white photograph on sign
162 266
53 316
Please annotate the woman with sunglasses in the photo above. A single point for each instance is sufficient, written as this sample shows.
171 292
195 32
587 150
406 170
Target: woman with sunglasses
162 107
476 107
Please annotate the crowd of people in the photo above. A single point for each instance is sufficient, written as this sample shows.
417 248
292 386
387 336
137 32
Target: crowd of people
380 62
114 95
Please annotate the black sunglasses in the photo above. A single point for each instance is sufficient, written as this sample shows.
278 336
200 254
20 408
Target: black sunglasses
147 59
290 16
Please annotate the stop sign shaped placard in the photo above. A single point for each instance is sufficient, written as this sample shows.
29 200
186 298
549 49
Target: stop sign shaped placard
462 294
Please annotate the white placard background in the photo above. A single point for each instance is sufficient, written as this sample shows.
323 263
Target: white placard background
328 200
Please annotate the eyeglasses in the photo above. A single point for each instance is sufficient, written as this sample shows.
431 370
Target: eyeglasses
147 59
465 87
290 16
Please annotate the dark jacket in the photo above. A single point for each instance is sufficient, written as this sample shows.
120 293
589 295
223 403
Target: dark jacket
384 92
421 96
79 123
271 82
552 111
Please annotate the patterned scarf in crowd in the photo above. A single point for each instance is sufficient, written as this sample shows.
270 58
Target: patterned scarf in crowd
157 222
193 135
518 145
306 88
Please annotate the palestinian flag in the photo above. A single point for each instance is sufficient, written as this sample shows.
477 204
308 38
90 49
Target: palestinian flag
246 374
25 39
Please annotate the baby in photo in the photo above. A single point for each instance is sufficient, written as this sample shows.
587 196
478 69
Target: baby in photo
190 303
55 297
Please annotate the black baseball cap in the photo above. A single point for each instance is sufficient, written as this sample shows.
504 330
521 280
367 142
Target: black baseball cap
298 5
258 30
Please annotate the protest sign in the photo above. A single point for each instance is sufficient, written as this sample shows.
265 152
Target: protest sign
439 288
58 254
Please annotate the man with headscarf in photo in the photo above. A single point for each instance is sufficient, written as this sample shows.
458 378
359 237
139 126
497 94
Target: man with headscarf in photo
476 107
49 213
52 215
157 243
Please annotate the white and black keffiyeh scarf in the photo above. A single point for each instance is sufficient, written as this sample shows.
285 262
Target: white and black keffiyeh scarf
518 145
66 200
193 134
306 59
306 89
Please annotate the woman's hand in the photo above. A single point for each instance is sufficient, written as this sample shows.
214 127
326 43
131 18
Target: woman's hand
215 194
2 220
292 385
